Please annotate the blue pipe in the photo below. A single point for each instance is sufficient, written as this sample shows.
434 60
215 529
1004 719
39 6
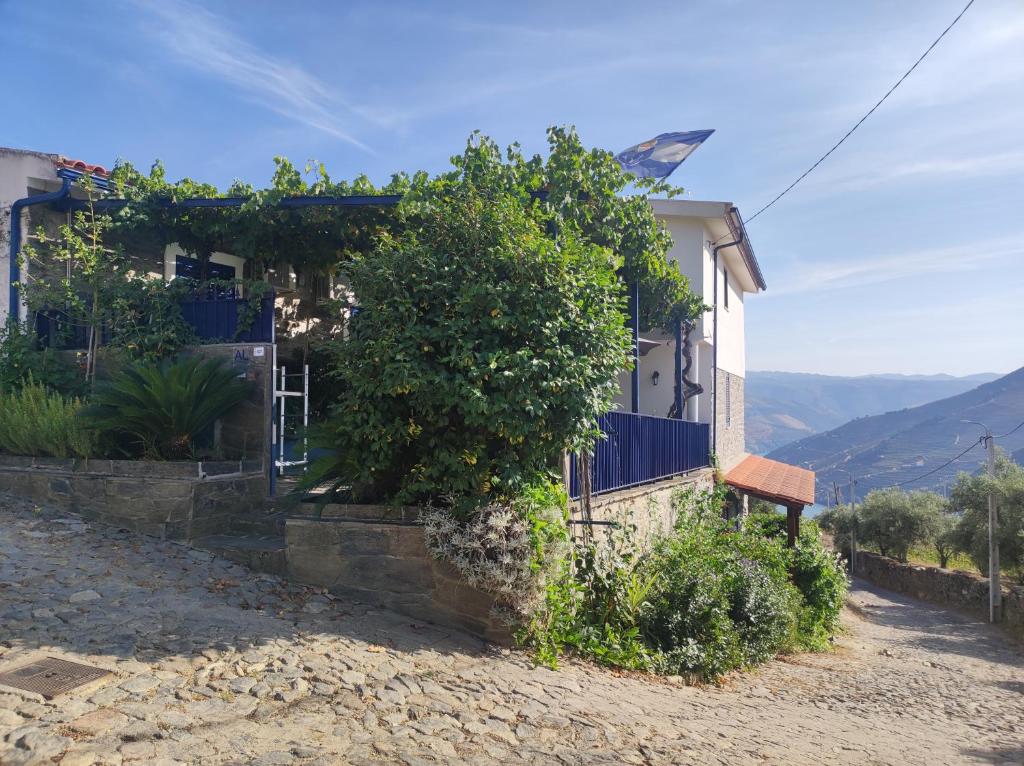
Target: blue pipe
15 269
634 317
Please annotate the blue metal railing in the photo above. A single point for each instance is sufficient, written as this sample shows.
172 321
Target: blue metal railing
214 317
637 449
217 318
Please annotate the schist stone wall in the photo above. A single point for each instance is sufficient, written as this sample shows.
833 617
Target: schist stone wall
377 555
245 431
730 446
650 509
961 590
173 501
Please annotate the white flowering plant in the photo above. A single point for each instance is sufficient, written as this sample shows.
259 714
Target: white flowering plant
506 548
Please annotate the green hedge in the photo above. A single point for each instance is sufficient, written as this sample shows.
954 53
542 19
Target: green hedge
707 599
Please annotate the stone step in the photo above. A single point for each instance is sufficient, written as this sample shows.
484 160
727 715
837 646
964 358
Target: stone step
270 524
265 553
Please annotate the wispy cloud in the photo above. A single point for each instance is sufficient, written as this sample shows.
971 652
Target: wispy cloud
203 41
883 171
860 272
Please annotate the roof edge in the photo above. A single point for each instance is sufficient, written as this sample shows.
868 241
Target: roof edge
736 226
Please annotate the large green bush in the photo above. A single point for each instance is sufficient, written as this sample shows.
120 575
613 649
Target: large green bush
707 599
481 350
723 599
39 422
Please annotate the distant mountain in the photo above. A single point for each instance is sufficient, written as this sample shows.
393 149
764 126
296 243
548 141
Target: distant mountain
886 449
782 407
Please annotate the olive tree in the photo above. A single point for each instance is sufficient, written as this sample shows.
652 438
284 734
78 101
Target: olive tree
969 498
895 521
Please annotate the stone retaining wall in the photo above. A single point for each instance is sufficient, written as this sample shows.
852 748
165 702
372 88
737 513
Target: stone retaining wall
377 555
171 500
961 590
648 508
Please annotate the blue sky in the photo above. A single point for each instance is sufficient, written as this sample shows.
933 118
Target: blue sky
902 253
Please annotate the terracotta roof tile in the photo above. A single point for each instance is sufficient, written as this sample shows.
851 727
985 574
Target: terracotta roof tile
773 480
81 166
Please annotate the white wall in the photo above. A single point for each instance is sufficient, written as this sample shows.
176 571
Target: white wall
692 251
731 329
654 399
18 172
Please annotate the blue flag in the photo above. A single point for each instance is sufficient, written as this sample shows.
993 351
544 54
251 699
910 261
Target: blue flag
658 157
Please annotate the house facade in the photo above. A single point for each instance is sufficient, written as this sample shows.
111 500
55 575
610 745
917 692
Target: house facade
682 403
711 248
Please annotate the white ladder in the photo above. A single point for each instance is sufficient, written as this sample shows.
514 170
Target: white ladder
281 396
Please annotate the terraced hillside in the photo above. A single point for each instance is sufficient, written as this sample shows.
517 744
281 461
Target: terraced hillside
782 407
898 446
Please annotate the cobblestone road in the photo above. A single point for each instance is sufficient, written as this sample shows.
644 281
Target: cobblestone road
215 666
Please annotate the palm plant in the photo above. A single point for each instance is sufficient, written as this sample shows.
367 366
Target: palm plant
161 409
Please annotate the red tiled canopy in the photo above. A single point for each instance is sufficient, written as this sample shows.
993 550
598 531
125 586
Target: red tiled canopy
772 480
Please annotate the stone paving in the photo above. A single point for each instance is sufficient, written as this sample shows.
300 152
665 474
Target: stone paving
214 665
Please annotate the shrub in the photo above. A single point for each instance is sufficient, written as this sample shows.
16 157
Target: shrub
481 350
593 605
38 422
705 600
21 358
506 549
161 411
716 608
819 575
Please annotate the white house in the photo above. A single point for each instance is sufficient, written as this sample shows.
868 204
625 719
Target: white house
714 252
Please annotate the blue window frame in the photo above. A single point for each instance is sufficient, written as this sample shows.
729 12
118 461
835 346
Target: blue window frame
190 268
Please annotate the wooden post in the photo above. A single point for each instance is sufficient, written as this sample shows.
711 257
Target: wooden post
793 524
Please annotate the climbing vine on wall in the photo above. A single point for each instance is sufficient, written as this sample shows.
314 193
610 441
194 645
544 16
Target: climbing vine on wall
571 190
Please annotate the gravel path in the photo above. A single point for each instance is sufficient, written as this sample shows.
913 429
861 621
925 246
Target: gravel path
214 665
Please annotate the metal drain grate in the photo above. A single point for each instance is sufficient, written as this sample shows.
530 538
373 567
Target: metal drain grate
50 676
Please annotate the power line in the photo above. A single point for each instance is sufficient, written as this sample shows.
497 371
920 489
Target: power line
936 470
862 119
1012 431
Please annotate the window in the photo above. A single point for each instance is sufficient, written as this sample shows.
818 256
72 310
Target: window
191 268
725 285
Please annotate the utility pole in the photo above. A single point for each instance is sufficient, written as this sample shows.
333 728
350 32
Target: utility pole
853 530
853 519
995 591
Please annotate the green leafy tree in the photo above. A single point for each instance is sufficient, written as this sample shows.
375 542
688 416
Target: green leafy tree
969 499
579 192
895 521
944 540
480 351
96 286
83 294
